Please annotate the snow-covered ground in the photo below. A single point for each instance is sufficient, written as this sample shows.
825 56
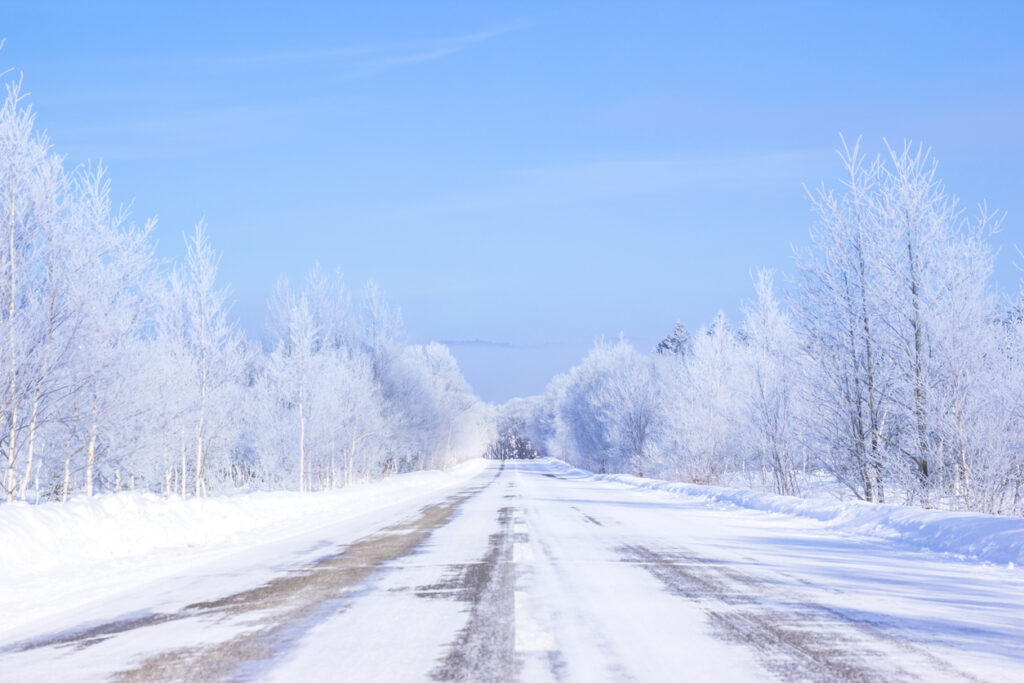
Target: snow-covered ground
58 556
528 570
984 537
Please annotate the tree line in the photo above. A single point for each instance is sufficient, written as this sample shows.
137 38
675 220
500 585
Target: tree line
119 371
511 444
895 369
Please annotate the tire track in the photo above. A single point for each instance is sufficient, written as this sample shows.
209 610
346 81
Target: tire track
484 649
793 639
271 616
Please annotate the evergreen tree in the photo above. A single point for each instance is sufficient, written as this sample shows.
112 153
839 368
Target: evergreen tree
677 343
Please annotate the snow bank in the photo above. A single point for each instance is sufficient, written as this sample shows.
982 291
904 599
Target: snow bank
985 537
36 539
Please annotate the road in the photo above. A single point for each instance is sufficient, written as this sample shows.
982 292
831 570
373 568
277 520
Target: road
534 573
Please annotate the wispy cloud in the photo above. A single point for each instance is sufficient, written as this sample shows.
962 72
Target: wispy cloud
399 55
359 58
393 53
181 131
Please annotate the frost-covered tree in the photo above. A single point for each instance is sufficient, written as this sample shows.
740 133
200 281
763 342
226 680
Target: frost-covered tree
675 344
713 399
119 372
110 264
610 412
893 371
342 399
74 306
294 366
322 406
897 310
214 352
32 185
839 308
775 369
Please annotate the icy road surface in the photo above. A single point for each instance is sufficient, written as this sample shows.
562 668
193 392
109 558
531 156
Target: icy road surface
532 573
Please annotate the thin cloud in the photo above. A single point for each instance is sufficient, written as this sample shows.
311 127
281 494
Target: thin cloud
364 57
182 132
430 50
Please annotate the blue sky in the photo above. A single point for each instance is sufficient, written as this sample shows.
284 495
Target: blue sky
533 175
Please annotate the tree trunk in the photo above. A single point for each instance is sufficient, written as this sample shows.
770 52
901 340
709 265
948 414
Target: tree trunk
33 426
13 387
90 460
919 380
67 468
184 464
199 457
10 484
204 375
302 444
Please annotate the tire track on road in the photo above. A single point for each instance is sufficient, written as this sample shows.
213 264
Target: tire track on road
271 616
484 649
793 639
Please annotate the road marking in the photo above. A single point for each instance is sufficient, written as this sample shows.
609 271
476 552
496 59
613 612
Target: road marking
522 552
531 636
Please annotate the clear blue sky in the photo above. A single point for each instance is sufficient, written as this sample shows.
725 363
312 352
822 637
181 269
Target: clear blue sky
530 174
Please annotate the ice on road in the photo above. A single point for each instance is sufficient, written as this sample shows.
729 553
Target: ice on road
532 572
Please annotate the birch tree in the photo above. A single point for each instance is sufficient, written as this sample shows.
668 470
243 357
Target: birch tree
775 369
840 288
32 183
214 351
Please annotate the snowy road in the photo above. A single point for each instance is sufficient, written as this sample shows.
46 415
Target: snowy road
530 572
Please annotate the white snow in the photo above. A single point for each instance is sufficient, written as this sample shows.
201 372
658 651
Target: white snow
999 540
60 554
576 604
118 526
